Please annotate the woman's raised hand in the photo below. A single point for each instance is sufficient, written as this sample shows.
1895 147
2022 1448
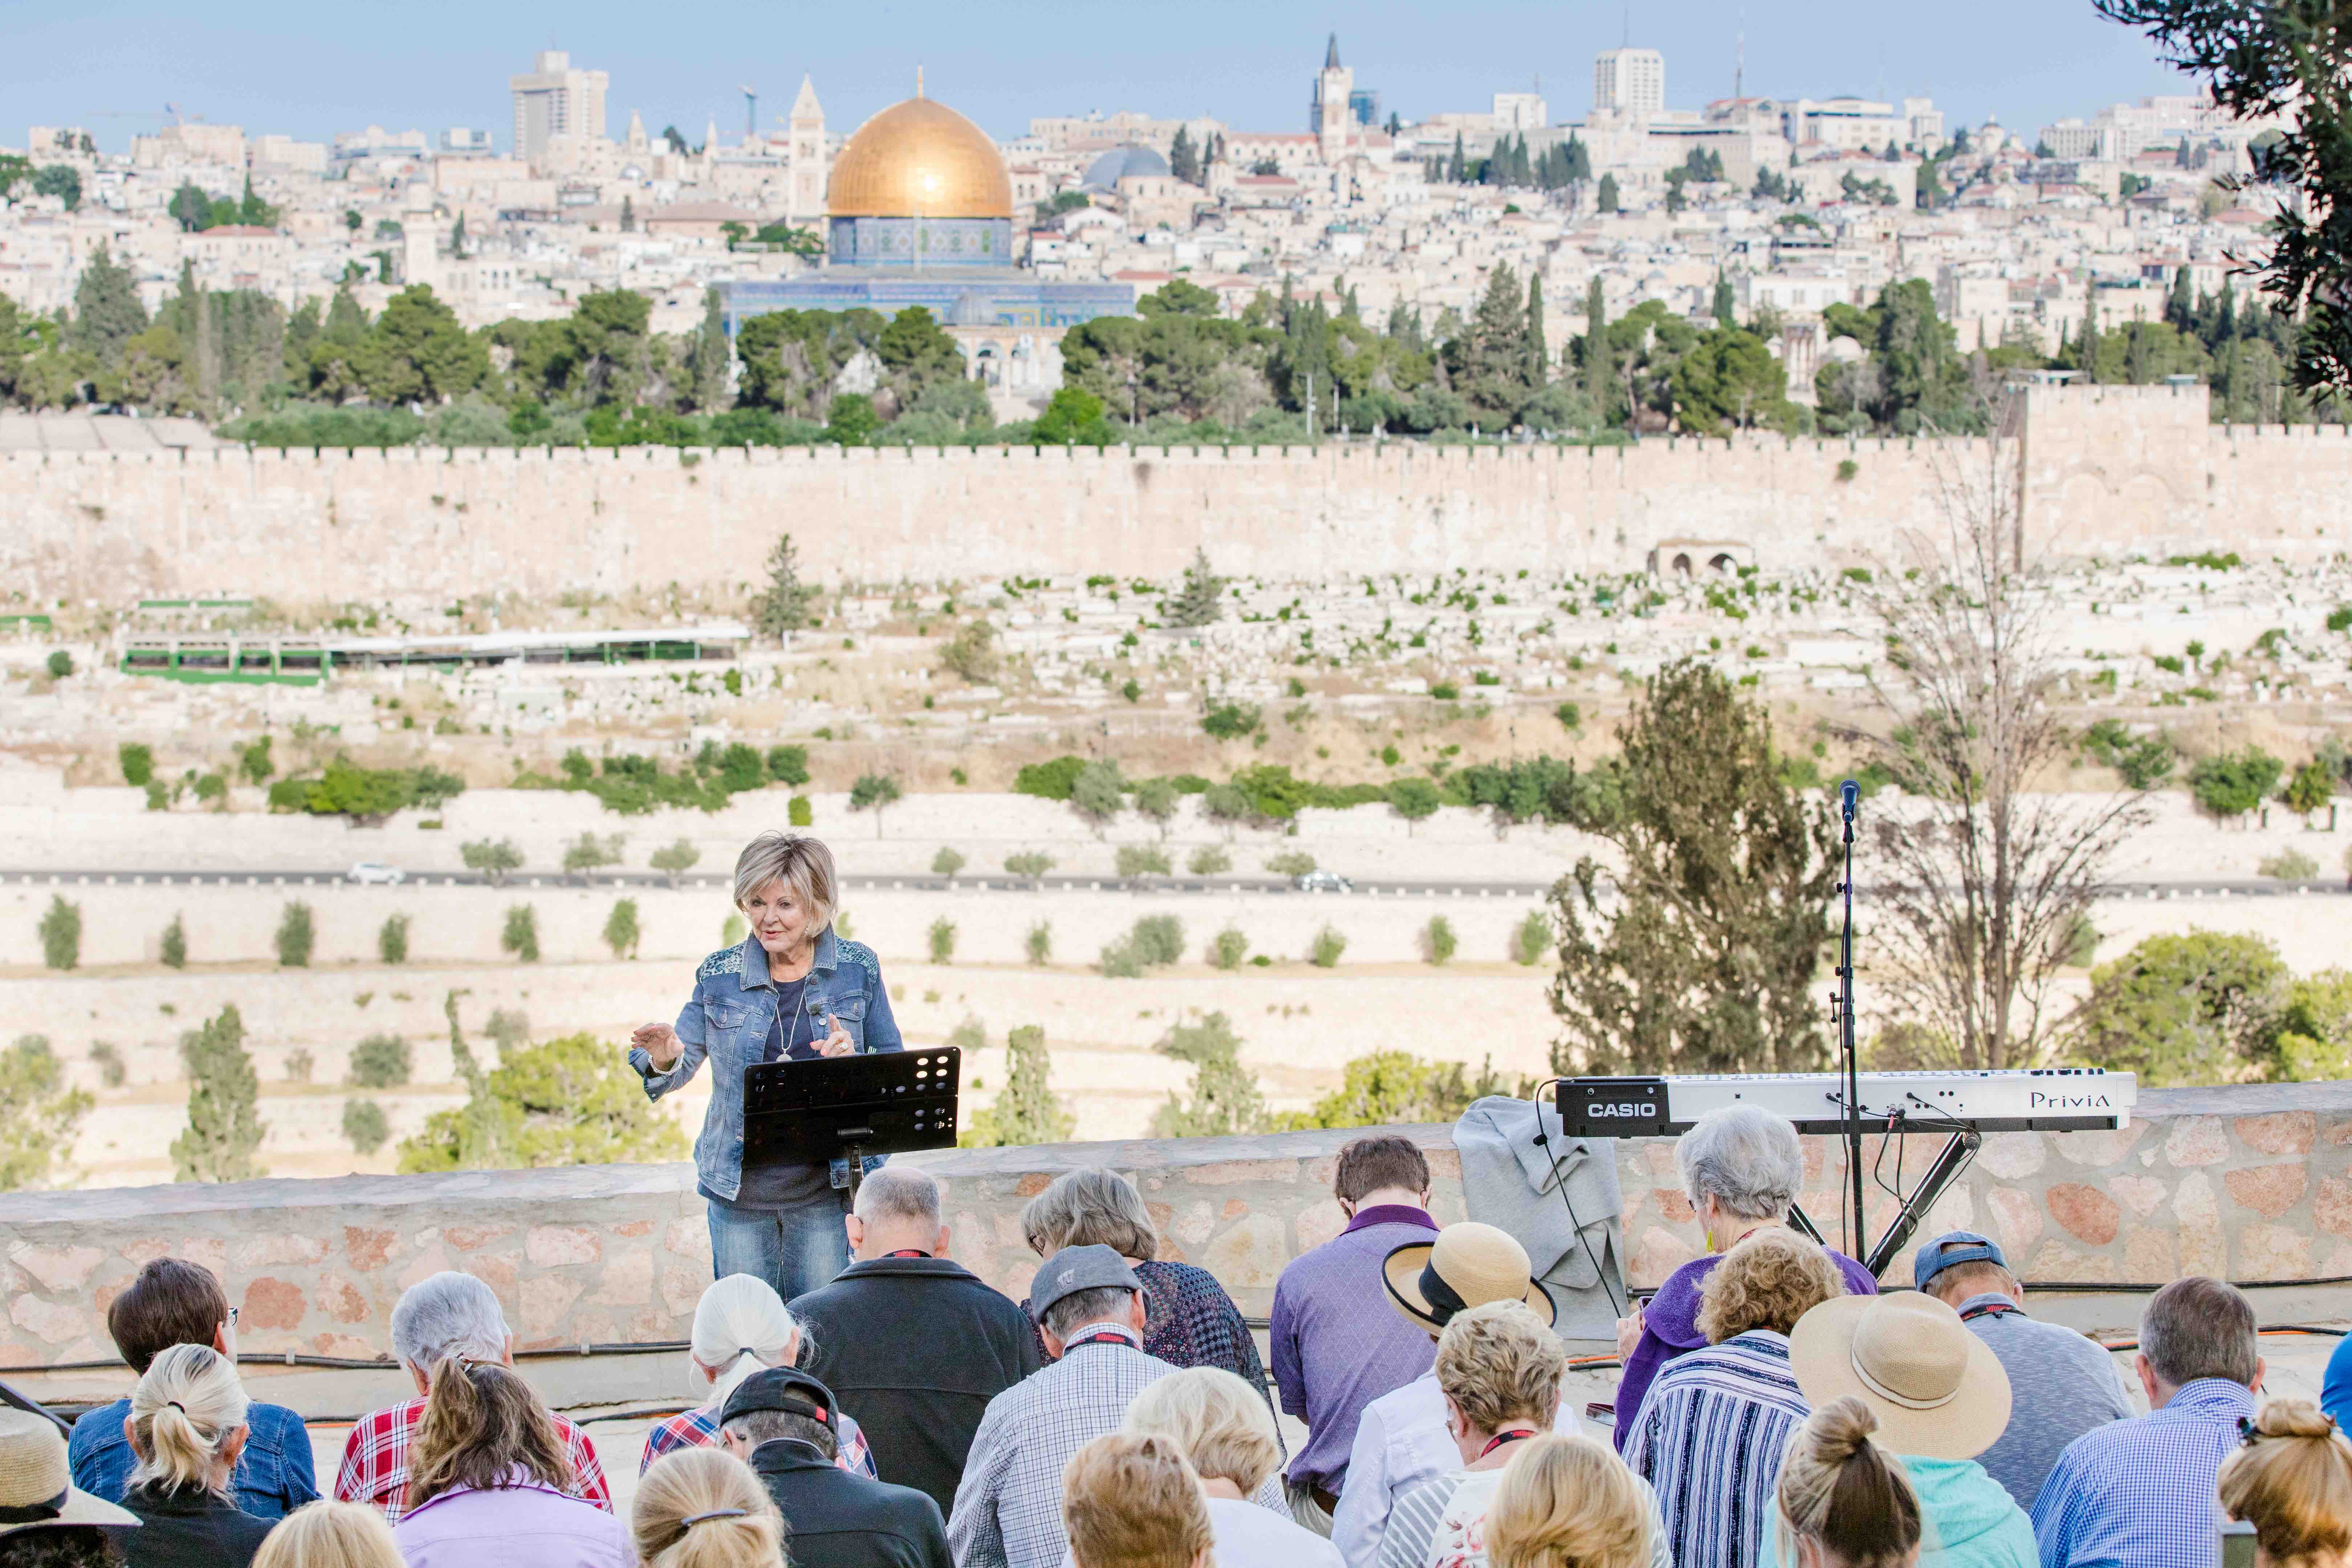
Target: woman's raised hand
660 1042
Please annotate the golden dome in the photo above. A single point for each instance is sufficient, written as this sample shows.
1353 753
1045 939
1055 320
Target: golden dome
919 158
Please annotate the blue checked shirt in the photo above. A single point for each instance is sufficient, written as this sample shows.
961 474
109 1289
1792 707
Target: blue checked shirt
2140 1493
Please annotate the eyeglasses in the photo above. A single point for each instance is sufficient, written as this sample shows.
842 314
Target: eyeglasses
232 1317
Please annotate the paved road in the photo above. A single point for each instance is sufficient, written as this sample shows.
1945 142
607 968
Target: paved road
1414 887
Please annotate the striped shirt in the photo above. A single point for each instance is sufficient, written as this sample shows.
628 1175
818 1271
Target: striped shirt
1709 1438
1442 1523
2141 1492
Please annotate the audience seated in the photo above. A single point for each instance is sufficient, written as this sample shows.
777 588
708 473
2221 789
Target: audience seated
1401 1437
912 1343
1567 1502
2061 1384
46 1522
740 1326
2292 1481
1741 1168
1499 1369
1226 1433
1336 1345
445 1317
2142 1491
329 1535
1710 1432
1939 1397
187 1426
1189 1321
176 1302
1130 1501
1090 1308
703 1508
782 1423
490 1481
1844 1502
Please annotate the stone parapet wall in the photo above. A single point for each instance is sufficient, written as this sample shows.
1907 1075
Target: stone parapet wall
2108 468
2250 1184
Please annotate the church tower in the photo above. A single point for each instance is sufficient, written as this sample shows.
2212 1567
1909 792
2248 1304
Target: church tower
1328 115
808 156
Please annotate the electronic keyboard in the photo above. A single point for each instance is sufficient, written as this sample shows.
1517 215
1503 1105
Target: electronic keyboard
2031 1099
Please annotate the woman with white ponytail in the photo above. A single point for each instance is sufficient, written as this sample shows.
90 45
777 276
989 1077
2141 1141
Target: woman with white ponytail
740 1326
187 1426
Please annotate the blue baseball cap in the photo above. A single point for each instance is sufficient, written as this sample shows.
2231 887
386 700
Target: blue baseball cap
1952 1250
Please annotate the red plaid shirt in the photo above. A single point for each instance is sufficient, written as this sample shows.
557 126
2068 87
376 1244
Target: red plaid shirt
375 1461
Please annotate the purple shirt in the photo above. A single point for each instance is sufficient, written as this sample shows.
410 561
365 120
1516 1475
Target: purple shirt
1670 1328
525 1526
1337 1343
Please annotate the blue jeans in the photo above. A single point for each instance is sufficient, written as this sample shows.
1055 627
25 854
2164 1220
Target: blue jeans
794 1249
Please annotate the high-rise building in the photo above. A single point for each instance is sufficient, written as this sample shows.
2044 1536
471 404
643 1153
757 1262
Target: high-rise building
1521 111
1631 81
553 101
808 155
1328 116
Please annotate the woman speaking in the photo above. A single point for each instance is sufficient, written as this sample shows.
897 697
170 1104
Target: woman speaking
791 991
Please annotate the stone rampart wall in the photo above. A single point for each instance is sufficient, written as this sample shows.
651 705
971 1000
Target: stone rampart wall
2109 469
2251 1183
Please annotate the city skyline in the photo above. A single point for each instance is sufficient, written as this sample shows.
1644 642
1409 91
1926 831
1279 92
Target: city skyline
113 68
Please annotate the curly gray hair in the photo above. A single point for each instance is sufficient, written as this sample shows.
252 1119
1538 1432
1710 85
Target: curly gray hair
1745 1158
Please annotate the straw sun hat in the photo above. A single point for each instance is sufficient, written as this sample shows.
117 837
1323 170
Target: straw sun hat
1937 1390
1470 1263
37 1490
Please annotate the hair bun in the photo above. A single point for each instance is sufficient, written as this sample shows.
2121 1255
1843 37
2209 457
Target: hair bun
2294 1418
1841 1429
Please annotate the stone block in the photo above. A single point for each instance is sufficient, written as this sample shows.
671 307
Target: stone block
278 1251
474 1237
1674 1206
687 1237
2282 1133
554 1246
2086 1212
2272 1252
2198 1209
2331 1206
630 1231
1659 1253
1249 1256
55 1322
2056 1261
2097 1150
628 1280
2197 1140
367 1248
499 1273
2011 1155
546 1298
681 1289
2017 1218
1319 1223
2148 1256
1030 1185
56 1267
2268 1190
2141 1194
272 1303
1233 1172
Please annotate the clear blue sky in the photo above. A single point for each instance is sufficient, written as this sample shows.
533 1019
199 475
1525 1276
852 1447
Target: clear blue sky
310 69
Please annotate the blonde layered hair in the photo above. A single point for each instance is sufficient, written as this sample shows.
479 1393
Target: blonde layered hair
186 1414
1220 1422
1840 1489
1566 1503
703 1508
803 864
1131 1501
2293 1482
330 1534
1498 1364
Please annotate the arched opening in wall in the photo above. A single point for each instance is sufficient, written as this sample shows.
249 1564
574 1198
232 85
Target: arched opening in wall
1682 564
988 365
1722 564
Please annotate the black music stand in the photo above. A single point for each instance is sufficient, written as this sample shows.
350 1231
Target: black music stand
889 1102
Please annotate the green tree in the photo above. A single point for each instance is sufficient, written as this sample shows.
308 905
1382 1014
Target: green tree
621 934
62 181
942 939
710 357
851 421
1532 939
417 352
1183 158
519 935
2311 788
568 1101
224 1104
675 860
1705 959
380 1061
365 1126
1030 866
1600 373
947 863
61 934
41 1113
173 947
107 311
2232 783
392 940
783 604
191 208
138 763
2204 1007
1489 362
1225 1099
589 852
1073 417
1199 602
915 352
1039 943
1209 860
1026 1112
1415 800
1098 793
875 793
1604 198
494 858
297 934
1438 941
1730 379
1397 1088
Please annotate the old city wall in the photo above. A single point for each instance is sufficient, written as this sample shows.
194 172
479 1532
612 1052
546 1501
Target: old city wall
2108 469
2253 1183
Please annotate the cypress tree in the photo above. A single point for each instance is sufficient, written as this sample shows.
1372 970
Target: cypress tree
1724 304
1196 604
1606 198
107 311
1459 166
2086 349
1539 353
1599 375
223 1120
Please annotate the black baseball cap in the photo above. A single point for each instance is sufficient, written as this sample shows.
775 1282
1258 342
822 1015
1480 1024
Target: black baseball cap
1950 1251
784 1388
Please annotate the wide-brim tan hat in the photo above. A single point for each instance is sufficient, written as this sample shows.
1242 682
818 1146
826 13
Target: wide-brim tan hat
1477 1263
36 1488
1939 1391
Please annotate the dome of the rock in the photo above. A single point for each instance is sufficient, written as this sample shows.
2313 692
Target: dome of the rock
919 158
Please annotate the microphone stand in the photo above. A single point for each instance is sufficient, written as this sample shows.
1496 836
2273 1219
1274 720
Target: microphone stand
1842 1013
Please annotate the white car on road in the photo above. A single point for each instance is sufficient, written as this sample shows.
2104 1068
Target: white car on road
1322 882
377 871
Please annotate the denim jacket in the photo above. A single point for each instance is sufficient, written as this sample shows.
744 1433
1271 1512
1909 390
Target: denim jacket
273 1475
727 1020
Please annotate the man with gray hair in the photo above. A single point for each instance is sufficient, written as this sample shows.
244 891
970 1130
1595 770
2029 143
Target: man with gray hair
1008 1510
2142 1491
1742 1168
448 1317
912 1343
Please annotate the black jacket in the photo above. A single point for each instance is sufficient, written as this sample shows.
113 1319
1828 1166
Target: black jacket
187 1529
837 1519
914 1348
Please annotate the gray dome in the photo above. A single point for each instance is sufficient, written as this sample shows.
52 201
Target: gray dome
1124 163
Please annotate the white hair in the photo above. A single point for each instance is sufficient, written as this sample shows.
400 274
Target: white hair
740 1326
445 1315
1745 1158
899 1192
187 1407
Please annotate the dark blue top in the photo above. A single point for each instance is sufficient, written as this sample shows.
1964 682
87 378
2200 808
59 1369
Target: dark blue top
274 1474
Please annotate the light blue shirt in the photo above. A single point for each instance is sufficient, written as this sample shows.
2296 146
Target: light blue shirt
2140 1493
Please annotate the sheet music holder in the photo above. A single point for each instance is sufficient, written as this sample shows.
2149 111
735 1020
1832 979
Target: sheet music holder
889 1102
